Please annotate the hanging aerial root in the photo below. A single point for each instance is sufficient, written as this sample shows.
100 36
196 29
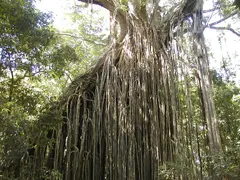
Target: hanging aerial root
143 111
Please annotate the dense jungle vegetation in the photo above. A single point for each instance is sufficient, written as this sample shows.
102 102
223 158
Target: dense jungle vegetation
135 99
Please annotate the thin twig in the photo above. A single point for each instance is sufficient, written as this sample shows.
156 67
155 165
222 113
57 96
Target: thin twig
81 38
217 7
226 28
211 10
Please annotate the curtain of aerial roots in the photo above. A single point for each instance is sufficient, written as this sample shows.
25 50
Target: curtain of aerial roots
147 113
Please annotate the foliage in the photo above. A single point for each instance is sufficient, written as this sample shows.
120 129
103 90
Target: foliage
29 52
227 101
145 107
88 37
236 3
24 35
37 61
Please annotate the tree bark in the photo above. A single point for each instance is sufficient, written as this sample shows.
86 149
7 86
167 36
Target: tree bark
128 118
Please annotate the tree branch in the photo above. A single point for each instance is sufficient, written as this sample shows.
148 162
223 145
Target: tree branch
226 28
103 3
84 39
223 19
212 25
211 10
217 7
119 13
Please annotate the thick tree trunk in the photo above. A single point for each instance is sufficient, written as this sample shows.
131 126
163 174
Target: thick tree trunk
134 115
